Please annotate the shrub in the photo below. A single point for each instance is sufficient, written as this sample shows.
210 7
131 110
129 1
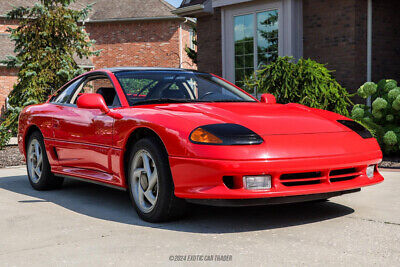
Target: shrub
305 81
383 118
5 136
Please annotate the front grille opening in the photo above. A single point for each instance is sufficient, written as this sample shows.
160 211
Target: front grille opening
229 182
304 175
341 179
342 171
301 183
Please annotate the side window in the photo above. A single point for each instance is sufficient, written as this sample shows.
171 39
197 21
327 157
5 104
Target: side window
65 95
99 85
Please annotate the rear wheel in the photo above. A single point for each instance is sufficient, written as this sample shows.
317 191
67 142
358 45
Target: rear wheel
150 183
38 166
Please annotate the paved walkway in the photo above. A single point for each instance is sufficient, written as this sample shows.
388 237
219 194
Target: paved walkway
84 224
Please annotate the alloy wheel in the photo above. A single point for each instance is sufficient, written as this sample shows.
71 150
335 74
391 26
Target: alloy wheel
144 181
35 161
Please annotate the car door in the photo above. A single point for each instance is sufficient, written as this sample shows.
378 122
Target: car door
83 137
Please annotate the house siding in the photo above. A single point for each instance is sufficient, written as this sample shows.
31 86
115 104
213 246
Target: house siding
209 45
7 79
385 40
6 23
335 33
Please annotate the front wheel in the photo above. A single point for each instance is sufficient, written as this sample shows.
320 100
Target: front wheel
150 183
38 166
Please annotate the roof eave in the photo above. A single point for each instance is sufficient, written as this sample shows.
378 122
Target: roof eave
132 19
123 19
189 10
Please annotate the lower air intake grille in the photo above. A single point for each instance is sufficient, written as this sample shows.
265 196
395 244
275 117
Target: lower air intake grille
342 171
342 175
304 178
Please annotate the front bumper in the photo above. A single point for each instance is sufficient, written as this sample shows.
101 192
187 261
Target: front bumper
204 178
269 200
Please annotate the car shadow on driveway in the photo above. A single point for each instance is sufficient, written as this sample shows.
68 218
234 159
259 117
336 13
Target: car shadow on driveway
114 205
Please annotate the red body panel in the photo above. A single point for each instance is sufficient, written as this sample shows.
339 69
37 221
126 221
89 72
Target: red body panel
89 144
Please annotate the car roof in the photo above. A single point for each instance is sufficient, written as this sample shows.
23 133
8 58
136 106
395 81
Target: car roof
117 69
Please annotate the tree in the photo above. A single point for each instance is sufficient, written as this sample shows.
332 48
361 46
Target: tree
48 37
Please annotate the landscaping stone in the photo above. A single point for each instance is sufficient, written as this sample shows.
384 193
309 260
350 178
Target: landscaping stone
10 156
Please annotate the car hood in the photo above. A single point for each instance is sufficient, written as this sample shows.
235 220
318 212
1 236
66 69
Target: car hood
264 119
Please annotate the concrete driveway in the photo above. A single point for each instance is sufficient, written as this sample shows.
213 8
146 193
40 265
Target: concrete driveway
85 224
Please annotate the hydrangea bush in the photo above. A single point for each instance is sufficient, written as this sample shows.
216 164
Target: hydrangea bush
383 117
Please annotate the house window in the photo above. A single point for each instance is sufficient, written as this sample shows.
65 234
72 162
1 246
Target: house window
255 33
192 37
256 42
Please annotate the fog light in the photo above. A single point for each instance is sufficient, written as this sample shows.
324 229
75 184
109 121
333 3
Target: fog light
370 171
257 182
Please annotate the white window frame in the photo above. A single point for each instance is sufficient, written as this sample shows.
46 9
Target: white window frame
191 37
290 27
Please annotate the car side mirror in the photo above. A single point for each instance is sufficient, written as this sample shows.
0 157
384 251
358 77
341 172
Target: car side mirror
96 101
268 99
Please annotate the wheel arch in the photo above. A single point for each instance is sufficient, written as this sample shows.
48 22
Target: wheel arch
136 135
28 132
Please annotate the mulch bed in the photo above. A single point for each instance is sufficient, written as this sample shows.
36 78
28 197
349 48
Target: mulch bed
10 156
390 162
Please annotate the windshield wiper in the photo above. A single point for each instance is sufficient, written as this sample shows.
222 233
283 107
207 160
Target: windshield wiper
161 101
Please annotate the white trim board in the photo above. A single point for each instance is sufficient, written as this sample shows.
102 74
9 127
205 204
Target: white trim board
220 3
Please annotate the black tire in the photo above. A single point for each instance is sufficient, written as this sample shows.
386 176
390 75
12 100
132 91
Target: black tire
320 200
167 206
46 180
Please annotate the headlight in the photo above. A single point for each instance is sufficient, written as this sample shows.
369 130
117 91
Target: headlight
224 134
358 128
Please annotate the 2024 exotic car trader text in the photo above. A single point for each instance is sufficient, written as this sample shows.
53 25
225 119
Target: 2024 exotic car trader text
173 136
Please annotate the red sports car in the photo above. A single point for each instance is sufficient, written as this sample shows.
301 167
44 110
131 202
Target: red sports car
172 136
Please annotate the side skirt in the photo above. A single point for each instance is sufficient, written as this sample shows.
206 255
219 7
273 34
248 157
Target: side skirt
92 181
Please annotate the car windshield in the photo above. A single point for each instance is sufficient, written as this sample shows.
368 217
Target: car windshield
148 87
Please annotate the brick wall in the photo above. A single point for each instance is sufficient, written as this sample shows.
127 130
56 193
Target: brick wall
386 40
5 24
7 79
209 45
334 32
137 43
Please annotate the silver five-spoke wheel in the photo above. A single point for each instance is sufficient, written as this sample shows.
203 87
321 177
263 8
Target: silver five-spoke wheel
35 161
144 181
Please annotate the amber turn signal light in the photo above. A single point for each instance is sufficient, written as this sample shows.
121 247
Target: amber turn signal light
202 136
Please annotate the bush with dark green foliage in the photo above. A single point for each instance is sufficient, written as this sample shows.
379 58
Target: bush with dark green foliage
5 136
383 117
305 81
47 38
